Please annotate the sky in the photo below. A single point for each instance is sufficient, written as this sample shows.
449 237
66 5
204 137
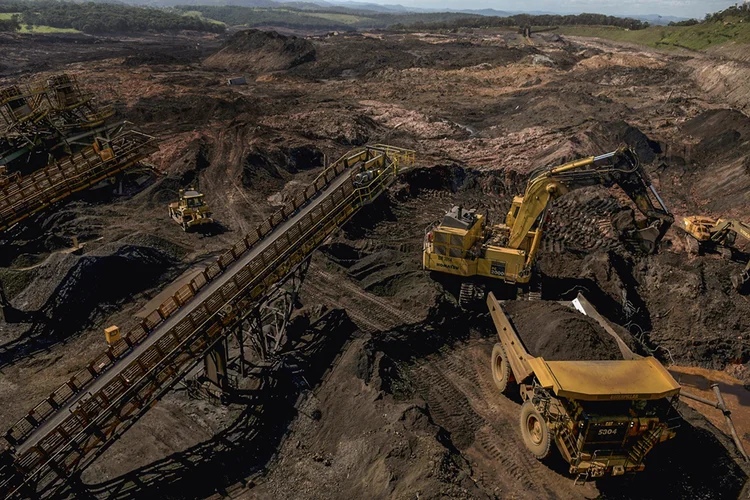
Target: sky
679 8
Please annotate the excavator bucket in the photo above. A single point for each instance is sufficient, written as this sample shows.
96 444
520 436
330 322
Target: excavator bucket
648 238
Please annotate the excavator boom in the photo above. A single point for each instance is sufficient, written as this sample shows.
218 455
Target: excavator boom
621 168
726 225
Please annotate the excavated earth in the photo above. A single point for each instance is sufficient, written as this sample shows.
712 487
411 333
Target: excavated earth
385 389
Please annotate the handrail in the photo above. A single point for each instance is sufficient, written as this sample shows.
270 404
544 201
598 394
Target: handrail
22 197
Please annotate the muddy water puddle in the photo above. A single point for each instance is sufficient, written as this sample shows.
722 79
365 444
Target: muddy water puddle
698 381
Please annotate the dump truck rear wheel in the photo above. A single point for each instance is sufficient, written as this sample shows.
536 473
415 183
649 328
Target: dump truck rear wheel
501 373
535 432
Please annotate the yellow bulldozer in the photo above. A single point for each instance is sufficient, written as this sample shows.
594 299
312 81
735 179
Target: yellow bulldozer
705 234
191 210
464 244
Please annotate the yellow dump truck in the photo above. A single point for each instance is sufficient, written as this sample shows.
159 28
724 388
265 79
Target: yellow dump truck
603 416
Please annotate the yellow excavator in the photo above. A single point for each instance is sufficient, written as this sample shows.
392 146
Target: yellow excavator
710 235
464 244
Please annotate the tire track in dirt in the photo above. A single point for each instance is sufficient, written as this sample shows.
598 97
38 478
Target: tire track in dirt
483 424
369 312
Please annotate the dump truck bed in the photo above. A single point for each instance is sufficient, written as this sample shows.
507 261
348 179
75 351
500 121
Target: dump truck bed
633 377
643 378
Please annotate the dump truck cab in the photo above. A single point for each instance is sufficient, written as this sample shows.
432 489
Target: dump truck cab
191 210
603 416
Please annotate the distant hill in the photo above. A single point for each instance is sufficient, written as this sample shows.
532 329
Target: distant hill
658 20
728 26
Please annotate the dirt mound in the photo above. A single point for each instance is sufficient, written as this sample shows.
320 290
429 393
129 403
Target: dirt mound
626 60
609 136
559 333
718 131
189 110
261 51
357 56
717 160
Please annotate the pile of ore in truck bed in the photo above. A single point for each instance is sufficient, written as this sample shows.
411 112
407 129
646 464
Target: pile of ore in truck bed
557 332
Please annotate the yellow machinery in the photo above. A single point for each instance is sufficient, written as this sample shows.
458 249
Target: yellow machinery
707 234
191 210
603 416
711 234
465 245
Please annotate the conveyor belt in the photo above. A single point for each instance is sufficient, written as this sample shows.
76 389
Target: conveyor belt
68 430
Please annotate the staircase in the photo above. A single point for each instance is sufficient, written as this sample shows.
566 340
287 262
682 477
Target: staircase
642 446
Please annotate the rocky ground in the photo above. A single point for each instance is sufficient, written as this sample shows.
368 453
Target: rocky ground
388 394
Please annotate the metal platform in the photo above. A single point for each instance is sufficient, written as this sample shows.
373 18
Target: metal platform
22 197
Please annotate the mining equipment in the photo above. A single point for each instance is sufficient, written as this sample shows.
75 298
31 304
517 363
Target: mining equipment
705 234
603 416
464 244
52 118
249 291
191 210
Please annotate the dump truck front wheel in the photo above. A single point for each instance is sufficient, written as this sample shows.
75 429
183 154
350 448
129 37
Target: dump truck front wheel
501 373
535 432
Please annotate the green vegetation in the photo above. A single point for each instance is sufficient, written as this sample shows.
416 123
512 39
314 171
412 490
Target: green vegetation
730 25
25 28
54 16
696 37
529 20
9 22
195 13
313 17
734 13
347 19
50 16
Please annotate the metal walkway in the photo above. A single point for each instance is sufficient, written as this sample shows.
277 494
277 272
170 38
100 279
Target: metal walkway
67 431
24 196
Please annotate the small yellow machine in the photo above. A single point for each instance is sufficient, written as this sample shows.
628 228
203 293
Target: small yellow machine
103 148
465 245
191 210
603 416
112 334
707 234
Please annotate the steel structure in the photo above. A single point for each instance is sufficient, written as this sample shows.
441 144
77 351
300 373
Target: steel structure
76 423
21 197
49 116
